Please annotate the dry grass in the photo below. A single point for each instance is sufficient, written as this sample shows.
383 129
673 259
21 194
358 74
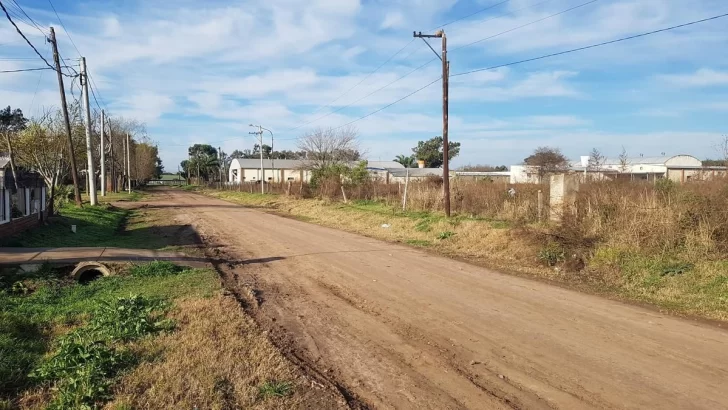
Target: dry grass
217 359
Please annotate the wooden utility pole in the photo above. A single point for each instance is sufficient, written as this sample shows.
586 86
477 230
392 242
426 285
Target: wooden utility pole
123 162
64 107
445 104
128 161
113 164
103 154
91 172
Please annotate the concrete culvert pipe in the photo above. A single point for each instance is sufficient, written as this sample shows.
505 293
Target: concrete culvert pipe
88 271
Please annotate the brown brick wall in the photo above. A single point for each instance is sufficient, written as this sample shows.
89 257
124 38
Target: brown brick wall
18 225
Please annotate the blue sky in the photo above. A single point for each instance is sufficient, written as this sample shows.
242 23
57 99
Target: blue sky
201 74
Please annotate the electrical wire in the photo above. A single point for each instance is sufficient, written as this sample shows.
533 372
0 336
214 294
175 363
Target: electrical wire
26 39
430 61
362 80
573 50
33 23
524 25
389 105
25 69
362 98
64 27
492 6
543 57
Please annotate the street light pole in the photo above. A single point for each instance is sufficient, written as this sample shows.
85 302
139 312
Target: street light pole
259 133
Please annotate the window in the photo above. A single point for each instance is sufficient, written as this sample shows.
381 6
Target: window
290 179
270 178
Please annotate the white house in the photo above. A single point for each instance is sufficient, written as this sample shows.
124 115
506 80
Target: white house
281 170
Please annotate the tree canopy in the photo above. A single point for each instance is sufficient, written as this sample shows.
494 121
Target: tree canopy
431 152
547 160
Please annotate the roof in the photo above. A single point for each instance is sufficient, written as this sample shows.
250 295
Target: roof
659 160
4 162
246 163
415 172
384 165
483 173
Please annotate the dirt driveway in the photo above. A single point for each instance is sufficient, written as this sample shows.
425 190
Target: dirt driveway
403 329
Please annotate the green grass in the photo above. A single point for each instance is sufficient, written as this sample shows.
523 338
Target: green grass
29 323
419 242
102 225
275 389
117 197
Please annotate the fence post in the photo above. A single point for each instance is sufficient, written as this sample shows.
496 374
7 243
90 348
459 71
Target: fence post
540 205
404 198
288 191
343 193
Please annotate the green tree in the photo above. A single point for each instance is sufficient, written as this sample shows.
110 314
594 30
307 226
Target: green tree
407 161
11 123
430 151
203 159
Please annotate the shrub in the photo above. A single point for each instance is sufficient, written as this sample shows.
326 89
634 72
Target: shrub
129 318
81 369
552 254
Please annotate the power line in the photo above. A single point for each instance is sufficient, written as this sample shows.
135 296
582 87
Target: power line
573 50
33 23
389 105
430 61
25 69
525 25
25 38
387 61
492 6
64 27
540 58
364 97
360 82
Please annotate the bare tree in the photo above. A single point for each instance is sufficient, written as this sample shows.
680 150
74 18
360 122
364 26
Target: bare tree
546 160
722 148
325 147
41 146
623 160
596 160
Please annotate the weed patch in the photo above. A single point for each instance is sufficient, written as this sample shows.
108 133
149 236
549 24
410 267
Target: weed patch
275 389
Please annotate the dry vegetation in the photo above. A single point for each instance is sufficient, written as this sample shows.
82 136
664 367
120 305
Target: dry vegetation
217 359
660 243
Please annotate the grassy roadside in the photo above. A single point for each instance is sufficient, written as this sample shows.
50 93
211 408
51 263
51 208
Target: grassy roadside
137 340
101 225
668 281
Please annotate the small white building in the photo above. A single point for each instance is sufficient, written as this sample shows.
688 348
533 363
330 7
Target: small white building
282 170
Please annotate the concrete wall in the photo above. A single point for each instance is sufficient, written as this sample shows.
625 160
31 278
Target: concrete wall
522 174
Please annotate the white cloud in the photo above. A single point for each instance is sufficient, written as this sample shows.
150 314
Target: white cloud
392 20
144 106
704 77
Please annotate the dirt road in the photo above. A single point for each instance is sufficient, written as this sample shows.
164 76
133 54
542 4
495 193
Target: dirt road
404 329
